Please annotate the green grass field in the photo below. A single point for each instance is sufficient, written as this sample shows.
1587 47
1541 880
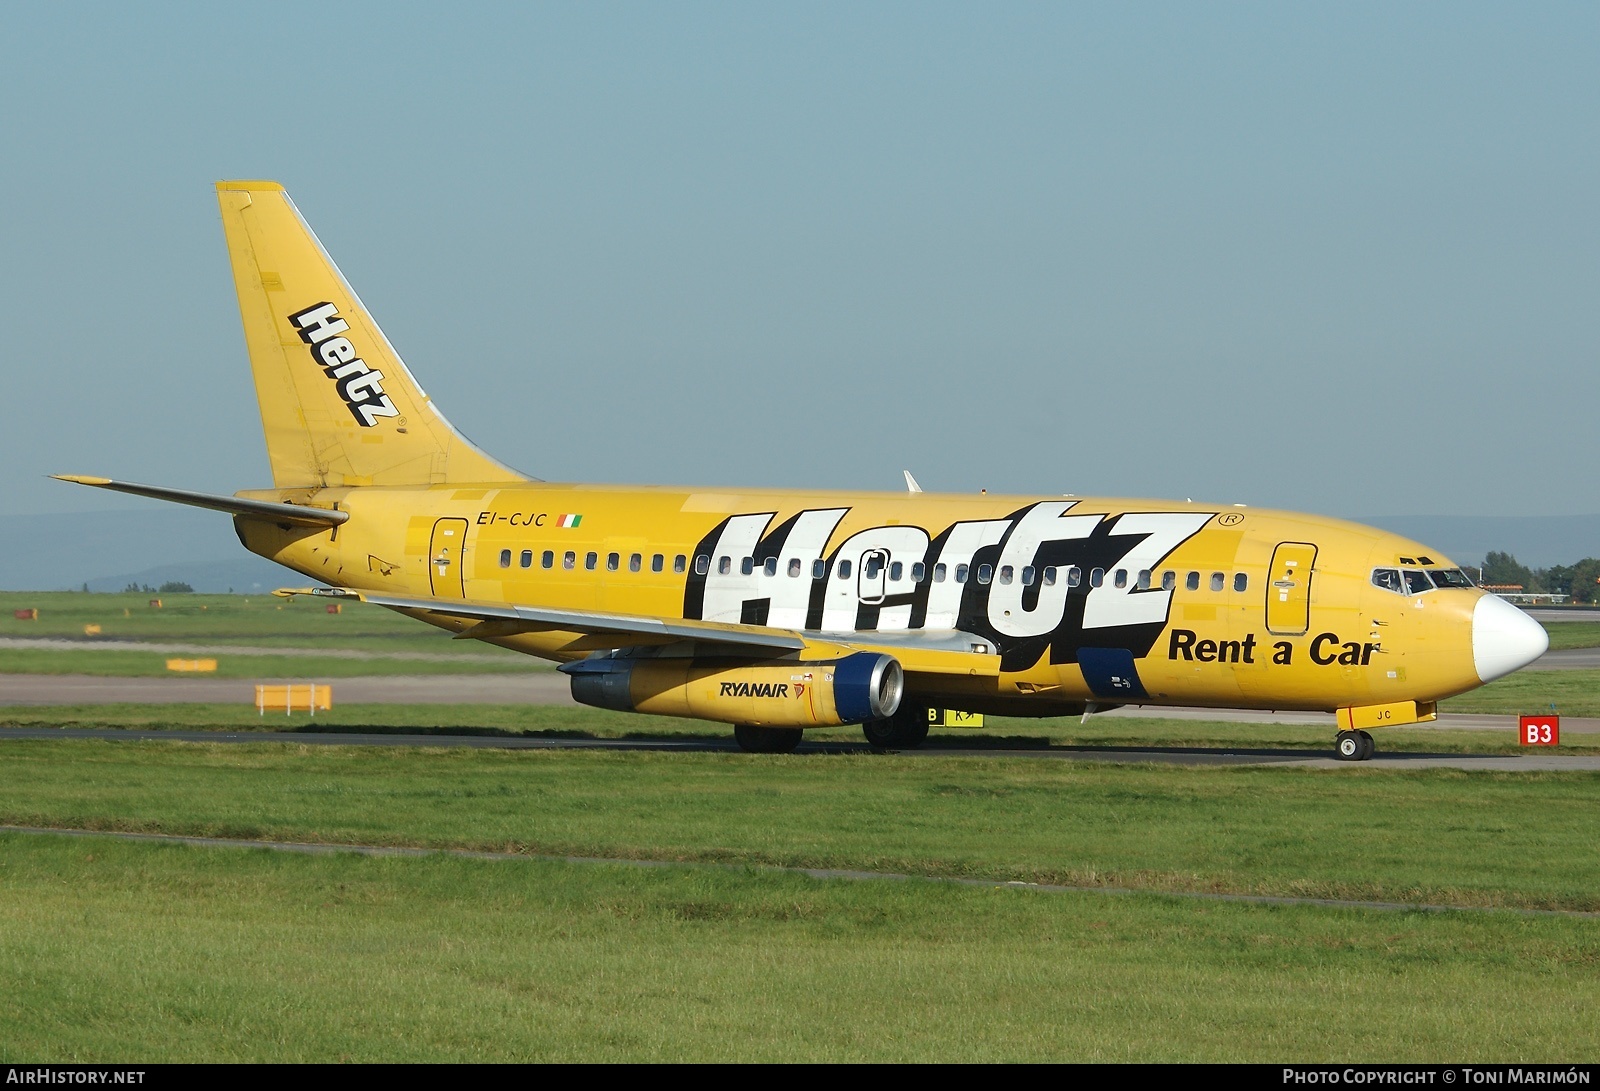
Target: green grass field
130 953
1565 635
1575 692
1518 839
238 620
115 951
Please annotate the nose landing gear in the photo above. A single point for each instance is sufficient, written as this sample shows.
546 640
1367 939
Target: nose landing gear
1353 746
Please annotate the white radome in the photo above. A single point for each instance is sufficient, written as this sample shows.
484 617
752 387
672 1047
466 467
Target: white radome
1504 638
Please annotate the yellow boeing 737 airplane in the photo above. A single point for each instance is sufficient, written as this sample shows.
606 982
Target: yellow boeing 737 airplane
778 610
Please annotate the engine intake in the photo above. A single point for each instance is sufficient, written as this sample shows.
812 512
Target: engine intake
859 687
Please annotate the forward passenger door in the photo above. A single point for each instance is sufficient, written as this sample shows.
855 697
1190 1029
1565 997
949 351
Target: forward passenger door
1289 588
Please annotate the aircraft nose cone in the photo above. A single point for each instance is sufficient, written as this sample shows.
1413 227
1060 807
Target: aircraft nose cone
1504 638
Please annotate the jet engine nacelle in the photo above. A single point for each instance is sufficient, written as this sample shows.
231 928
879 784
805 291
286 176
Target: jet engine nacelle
860 687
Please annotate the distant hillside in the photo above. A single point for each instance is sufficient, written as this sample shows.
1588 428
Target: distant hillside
110 549
248 575
1538 541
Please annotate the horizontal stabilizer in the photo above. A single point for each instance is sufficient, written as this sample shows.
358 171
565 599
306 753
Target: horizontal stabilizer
293 514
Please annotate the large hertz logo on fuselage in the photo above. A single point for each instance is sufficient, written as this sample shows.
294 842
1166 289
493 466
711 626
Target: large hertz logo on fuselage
1003 579
360 386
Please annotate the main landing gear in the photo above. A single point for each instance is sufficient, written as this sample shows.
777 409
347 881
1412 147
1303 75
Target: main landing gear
766 740
907 729
1353 746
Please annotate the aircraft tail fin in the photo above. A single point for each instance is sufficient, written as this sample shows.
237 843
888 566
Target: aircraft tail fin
338 405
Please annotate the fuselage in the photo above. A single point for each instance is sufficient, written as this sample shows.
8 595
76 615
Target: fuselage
1086 601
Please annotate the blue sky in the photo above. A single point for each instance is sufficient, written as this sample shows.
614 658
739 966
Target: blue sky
1339 258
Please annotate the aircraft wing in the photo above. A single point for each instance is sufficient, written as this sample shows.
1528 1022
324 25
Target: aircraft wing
507 619
501 619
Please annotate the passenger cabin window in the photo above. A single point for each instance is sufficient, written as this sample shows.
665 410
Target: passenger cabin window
1192 581
635 562
505 558
1169 580
613 561
1121 578
961 573
844 570
747 566
1388 579
794 567
590 560
1449 577
1144 579
1074 576
1217 580
679 562
1097 577
819 569
919 571
1050 576
569 560
702 565
1241 582
724 565
1006 572
1416 581
526 560
1028 575
985 573
939 571
548 560
657 562
871 566
897 571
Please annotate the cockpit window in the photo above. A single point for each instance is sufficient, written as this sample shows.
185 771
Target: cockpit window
1449 577
1388 579
1416 581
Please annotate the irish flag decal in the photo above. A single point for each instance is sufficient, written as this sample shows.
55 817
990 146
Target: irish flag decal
571 520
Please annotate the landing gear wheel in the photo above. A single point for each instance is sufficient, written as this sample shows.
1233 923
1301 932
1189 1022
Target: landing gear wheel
766 740
880 734
1353 746
907 729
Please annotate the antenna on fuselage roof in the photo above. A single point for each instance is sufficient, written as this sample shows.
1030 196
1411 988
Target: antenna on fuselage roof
911 482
